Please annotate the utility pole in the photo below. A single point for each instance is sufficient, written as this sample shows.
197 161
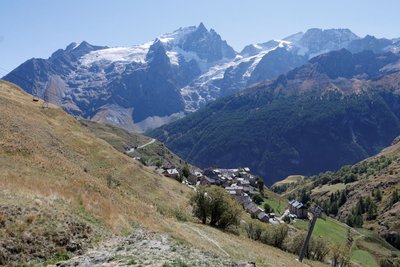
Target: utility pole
316 212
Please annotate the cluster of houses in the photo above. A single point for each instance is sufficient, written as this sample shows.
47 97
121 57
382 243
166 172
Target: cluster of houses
240 184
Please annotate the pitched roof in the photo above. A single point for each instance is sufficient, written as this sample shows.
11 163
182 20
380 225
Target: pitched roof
209 179
250 205
262 215
297 205
256 210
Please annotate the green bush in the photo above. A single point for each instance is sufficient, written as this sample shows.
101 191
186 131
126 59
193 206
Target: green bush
254 229
267 208
216 206
257 198
180 215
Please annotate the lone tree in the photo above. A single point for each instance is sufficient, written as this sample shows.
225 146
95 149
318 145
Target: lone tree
186 171
260 183
216 206
378 195
201 204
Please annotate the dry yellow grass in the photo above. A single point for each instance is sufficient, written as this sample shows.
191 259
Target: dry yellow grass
290 179
47 154
328 188
50 162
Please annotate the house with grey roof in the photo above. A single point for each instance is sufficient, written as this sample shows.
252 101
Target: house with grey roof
298 209
262 216
174 173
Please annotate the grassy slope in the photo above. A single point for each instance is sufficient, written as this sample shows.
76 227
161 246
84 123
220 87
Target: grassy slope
328 229
117 137
386 179
364 258
278 203
290 179
365 242
50 163
120 138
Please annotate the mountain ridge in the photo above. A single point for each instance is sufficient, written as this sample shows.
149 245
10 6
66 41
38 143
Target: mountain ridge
117 85
306 121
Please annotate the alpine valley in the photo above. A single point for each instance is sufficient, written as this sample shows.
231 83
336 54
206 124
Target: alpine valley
315 115
337 109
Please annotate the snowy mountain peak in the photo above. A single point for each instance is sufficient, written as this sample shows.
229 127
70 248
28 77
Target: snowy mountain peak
200 42
176 37
316 41
75 51
156 51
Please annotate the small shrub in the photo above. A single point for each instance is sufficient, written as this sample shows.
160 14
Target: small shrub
180 263
257 198
29 219
180 215
2 220
340 256
254 229
59 256
176 263
267 208
186 171
132 261
317 247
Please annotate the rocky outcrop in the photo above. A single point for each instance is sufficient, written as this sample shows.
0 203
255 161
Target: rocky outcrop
144 248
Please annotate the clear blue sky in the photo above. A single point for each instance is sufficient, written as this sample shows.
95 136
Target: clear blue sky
38 28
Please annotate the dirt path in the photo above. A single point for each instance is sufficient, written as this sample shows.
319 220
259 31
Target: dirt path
149 143
209 239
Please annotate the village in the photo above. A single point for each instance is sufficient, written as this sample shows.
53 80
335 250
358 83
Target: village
241 185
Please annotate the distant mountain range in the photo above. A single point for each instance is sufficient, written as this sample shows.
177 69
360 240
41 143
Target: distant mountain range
145 86
339 108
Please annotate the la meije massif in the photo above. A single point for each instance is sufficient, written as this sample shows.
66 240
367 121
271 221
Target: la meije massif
314 117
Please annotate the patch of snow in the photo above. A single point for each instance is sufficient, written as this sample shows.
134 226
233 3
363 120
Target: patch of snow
176 38
117 54
173 57
202 90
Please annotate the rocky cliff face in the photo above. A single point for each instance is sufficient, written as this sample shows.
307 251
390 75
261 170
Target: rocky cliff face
125 86
265 61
